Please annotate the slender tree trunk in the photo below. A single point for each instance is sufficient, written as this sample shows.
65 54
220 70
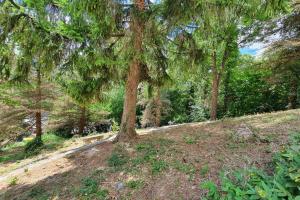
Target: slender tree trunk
38 113
214 97
214 88
293 93
82 120
127 129
227 91
157 108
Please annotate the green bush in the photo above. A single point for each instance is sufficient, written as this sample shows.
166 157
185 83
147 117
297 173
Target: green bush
34 146
256 184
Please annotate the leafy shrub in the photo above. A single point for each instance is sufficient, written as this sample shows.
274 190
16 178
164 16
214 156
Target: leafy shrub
256 184
64 131
34 146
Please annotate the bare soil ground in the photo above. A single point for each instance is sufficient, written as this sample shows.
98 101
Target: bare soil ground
169 163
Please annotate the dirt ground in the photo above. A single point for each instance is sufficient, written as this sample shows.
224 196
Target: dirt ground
166 164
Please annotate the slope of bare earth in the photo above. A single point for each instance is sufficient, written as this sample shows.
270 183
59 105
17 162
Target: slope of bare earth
166 163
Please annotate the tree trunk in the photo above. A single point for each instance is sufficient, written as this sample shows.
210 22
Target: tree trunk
293 93
214 96
158 106
127 129
227 91
82 120
38 113
214 88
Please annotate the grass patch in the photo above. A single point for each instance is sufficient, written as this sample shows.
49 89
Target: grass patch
189 140
158 166
90 189
28 148
135 184
204 170
38 193
184 167
118 158
13 181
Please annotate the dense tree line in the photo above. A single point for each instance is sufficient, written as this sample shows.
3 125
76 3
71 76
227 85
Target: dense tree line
143 63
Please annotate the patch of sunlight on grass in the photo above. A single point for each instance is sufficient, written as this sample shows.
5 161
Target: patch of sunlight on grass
15 151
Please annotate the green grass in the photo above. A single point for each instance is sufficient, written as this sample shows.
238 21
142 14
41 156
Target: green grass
13 181
91 189
204 170
135 184
16 151
189 140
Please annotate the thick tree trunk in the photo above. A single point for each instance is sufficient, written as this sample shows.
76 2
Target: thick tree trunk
293 93
82 120
158 106
127 129
38 113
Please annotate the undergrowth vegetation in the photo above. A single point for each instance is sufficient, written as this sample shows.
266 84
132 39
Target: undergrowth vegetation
284 183
30 147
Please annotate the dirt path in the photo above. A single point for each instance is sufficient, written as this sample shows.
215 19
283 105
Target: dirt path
47 159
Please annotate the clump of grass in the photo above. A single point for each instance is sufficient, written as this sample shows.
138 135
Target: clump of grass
184 167
204 170
135 184
118 158
158 166
13 181
90 189
189 140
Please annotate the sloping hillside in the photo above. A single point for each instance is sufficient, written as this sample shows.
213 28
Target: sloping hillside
168 163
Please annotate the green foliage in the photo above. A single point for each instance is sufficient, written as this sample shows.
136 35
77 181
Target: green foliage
189 139
118 158
116 99
135 184
158 166
204 170
184 167
284 183
90 189
34 146
38 193
13 181
251 91
16 151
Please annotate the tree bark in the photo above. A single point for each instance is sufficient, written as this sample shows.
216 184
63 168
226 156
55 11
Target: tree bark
158 106
38 113
214 96
127 130
215 88
82 120
227 91
293 93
